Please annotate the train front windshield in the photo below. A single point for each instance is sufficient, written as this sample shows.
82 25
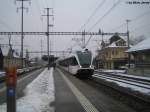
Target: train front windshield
85 58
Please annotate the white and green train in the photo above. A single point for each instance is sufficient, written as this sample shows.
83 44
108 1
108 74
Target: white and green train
79 63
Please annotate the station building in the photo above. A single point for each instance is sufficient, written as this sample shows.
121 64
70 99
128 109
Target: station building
141 54
112 55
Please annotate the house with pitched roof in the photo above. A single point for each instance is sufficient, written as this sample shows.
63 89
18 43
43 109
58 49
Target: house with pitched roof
113 56
9 57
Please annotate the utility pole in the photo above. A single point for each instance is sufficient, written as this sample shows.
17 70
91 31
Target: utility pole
128 41
22 24
47 33
41 47
83 39
9 37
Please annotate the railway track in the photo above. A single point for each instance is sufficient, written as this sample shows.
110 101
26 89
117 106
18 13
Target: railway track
19 72
136 82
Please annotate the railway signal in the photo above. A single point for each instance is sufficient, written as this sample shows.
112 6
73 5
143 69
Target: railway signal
11 82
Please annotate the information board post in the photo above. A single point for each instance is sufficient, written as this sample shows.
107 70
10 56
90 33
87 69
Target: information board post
11 80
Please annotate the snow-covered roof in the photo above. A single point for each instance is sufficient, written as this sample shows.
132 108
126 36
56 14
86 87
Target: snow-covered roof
5 50
114 44
144 45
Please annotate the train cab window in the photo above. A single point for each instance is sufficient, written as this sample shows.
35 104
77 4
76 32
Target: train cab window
74 61
85 58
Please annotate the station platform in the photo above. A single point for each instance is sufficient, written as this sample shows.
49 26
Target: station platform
76 95
65 101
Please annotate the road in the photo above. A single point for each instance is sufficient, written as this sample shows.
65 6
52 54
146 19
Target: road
22 82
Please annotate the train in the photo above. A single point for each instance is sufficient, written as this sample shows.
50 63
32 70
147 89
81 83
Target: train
79 63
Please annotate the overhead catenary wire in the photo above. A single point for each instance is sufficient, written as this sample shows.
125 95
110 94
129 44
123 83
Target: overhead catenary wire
132 20
118 27
99 20
92 15
108 12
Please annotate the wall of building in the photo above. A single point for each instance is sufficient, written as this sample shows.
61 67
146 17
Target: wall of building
141 64
113 57
12 62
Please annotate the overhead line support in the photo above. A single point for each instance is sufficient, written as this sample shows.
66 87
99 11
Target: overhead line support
47 33
22 26
60 33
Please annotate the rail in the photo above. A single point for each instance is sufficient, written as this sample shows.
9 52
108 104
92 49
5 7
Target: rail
128 79
132 81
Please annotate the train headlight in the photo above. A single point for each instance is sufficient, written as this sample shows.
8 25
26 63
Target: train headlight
80 66
91 66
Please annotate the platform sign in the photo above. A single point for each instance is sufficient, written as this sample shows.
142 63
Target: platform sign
11 82
10 92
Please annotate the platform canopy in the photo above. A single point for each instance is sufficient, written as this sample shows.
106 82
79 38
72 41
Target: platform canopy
141 46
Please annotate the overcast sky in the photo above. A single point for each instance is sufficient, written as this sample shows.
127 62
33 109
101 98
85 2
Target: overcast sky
73 15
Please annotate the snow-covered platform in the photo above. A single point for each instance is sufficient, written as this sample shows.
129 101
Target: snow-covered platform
58 91
39 94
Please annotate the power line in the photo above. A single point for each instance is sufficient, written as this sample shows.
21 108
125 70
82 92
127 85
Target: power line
133 20
100 19
111 9
118 27
91 16
94 12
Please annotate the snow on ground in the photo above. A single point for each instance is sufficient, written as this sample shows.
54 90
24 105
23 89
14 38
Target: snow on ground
134 76
39 94
132 87
111 71
122 73
125 85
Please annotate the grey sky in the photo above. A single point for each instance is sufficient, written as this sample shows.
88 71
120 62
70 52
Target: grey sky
70 15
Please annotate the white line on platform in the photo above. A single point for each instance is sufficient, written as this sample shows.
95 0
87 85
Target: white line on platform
86 104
